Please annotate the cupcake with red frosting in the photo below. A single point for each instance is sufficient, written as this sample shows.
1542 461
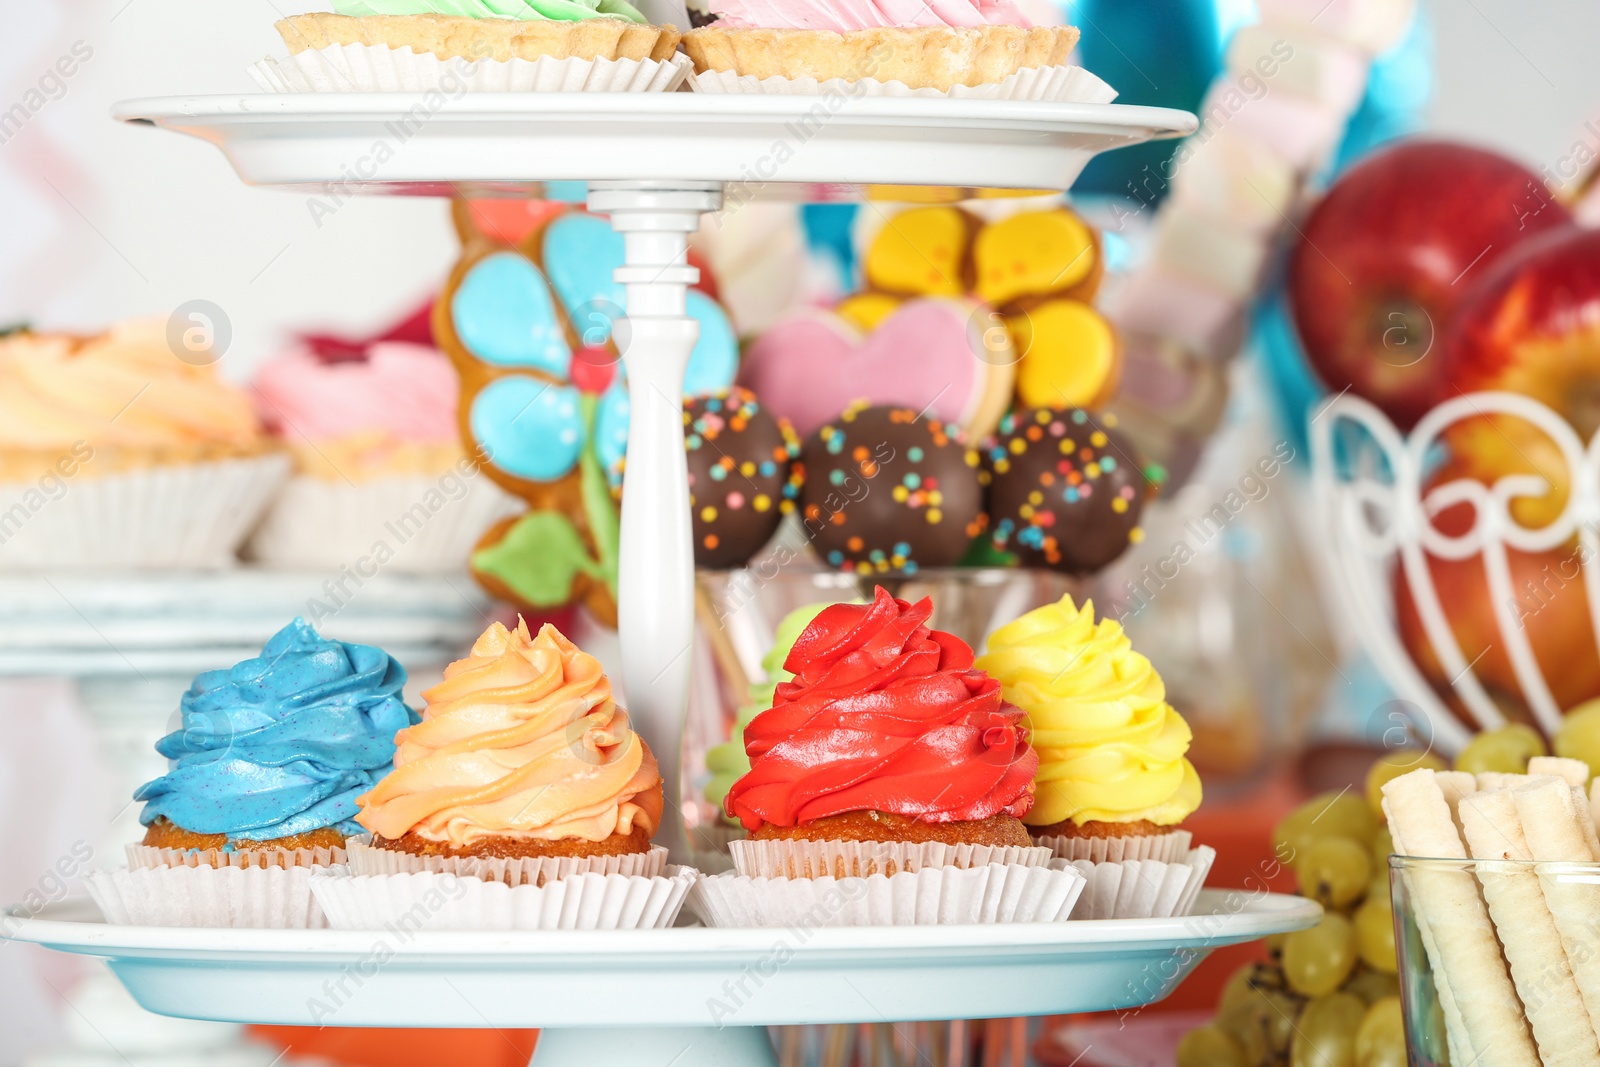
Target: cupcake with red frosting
892 768
885 733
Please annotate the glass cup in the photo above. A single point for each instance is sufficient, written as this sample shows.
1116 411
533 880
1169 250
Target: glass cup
1496 954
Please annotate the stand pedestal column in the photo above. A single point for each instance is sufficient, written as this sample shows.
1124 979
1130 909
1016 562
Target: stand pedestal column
655 582
664 1046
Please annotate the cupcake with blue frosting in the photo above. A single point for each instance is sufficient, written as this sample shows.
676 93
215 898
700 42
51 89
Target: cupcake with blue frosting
265 769
273 751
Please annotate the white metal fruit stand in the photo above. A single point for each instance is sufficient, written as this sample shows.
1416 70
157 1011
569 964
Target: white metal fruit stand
654 164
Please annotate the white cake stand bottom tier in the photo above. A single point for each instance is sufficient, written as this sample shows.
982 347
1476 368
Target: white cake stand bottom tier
684 997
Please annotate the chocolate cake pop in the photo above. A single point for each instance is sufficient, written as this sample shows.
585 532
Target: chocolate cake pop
888 489
1067 489
742 479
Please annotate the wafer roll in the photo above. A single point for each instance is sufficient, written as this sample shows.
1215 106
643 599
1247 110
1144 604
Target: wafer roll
1528 934
1548 811
1493 1028
1574 771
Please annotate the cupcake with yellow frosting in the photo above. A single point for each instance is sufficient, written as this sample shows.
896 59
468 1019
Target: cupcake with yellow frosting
523 800
117 453
1114 783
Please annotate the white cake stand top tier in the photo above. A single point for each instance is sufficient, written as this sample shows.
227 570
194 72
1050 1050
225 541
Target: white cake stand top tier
811 147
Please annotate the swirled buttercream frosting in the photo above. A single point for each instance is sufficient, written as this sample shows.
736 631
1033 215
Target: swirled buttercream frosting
282 744
522 739
122 388
1111 749
842 16
883 714
525 10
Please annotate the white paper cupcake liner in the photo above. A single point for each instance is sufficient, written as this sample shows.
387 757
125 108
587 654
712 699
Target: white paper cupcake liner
366 860
1142 889
860 859
998 893
148 856
1168 848
272 897
316 523
187 515
366 68
1054 84
425 900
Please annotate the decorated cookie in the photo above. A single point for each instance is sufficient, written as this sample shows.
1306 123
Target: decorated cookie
741 475
1035 271
938 355
1067 489
544 398
890 489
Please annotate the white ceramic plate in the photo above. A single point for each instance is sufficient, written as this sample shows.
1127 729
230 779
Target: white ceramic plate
686 977
763 146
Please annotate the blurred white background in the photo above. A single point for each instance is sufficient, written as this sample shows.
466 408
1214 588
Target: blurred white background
103 221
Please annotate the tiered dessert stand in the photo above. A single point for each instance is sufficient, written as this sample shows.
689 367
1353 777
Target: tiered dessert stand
688 996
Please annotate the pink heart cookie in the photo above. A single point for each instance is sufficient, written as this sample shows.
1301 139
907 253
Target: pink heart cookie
942 356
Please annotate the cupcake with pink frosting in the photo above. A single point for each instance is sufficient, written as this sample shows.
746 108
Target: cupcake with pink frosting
380 479
990 48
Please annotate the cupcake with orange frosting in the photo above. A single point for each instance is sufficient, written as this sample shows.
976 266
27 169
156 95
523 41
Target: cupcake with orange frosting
522 800
378 459
1114 784
116 452
522 755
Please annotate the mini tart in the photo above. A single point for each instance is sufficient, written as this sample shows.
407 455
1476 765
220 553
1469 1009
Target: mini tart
163 833
458 37
997 830
933 57
1068 828
520 848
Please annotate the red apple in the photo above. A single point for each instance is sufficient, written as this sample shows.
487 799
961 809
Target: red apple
1385 258
1552 606
1531 325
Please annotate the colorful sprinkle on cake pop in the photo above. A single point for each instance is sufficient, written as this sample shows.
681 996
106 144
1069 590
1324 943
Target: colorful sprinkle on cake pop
887 489
1067 490
742 478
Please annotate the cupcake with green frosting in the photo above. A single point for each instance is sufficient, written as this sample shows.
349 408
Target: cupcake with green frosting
727 762
417 45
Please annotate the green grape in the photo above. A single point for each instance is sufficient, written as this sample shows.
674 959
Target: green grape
1334 871
1392 765
1317 961
1256 1011
1506 750
1379 886
1275 946
1209 1046
1326 1034
1375 935
1237 992
1372 986
1579 736
1381 1039
1328 815
1382 848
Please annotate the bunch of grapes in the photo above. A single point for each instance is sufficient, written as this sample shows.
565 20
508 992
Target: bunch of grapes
1329 996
